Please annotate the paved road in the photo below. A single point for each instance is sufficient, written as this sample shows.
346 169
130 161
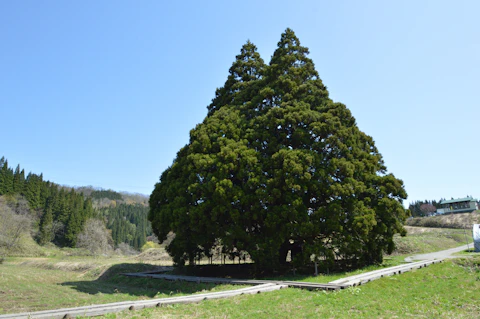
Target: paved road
439 254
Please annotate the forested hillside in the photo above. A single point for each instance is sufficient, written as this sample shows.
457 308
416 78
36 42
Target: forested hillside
125 214
128 223
58 214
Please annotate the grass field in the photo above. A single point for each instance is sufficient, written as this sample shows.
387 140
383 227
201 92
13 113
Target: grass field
39 285
446 290
421 240
65 280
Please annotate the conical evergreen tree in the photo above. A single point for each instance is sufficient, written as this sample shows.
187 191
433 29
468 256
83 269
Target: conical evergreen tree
2 175
46 228
6 179
18 180
216 151
32 190
89 212
278 166
242 81
2 178
76 218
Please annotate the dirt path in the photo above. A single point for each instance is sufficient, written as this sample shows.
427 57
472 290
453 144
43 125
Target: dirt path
443 254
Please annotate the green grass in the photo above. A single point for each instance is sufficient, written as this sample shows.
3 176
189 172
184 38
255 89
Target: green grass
49 283
66 278
446 290
37 286
389 261
420 240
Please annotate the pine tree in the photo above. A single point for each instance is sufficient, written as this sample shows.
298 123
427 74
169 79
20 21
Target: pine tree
2 175
242 82
6 178
76 219
46 228
18 180
89 212
32 190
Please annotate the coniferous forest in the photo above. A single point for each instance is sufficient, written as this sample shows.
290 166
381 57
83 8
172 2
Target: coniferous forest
58 214
128 223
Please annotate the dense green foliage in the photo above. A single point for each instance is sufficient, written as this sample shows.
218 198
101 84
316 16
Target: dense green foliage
129 224
278 166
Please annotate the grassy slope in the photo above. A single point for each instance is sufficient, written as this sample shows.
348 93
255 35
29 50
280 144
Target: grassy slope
446 290
421 240
463 221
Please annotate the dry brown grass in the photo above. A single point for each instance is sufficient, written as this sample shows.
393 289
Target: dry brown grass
62 265
415 230
461 221
156 255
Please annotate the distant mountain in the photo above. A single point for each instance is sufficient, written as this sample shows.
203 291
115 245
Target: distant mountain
104 198
125 214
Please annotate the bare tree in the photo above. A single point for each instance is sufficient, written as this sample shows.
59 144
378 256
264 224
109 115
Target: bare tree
12 227
427 209
95 237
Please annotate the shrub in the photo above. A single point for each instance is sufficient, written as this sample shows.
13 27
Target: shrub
150 244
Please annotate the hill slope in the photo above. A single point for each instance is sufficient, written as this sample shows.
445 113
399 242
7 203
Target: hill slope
463 221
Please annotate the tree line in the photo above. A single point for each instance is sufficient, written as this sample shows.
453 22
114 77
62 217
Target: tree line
276 167
422 208
59 214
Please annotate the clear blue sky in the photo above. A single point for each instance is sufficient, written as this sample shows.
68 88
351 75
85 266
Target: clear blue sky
104 93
